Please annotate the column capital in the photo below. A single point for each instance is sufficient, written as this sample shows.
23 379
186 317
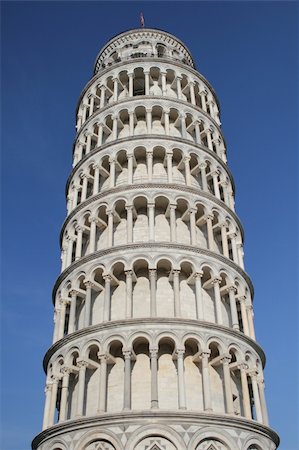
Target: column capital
261 381
205 354
129 272
180 352
74 292
232 288
153 352
198 274
93 219
107 277
209 216
253 373
176 271
127 354
66 370
79 228
48 387
152 272
216 280
103 357
89 284
226 359
243 366
81 363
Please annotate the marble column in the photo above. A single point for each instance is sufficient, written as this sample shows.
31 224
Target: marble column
96 179
110 228
172 209
181 378
256 397
87 313
192 212
206 381
218 303
53 400
103 382
224 240
245 391
93 232
176 289
129 209
48 394
129 293
242 300
107 299
72 316
227 385
81 387
151 221
78 252
149 159
153 281
64 394
199 299
209 219
127 381
154 377
169 166
233 307
261 388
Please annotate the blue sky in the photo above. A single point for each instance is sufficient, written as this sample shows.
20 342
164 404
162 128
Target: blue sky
249 53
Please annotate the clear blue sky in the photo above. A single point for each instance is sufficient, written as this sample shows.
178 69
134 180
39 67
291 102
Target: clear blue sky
249 53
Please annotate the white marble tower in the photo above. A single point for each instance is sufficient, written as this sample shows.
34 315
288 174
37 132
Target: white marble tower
154 345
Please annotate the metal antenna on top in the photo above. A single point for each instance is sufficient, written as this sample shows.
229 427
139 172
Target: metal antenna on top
141 20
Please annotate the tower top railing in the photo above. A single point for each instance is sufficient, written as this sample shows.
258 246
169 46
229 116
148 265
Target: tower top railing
142 42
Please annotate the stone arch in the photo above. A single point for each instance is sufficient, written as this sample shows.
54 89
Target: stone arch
256 444
158 431
200 440
57 444
92 437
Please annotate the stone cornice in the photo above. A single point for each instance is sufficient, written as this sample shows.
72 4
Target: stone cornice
160 138
115 324
129 100
157 245
149 59
127 187
171 417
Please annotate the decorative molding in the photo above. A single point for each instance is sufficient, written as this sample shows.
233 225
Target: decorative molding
127 187
124 248
115 324
172 417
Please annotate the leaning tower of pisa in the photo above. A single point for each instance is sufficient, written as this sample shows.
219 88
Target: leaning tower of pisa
154 345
